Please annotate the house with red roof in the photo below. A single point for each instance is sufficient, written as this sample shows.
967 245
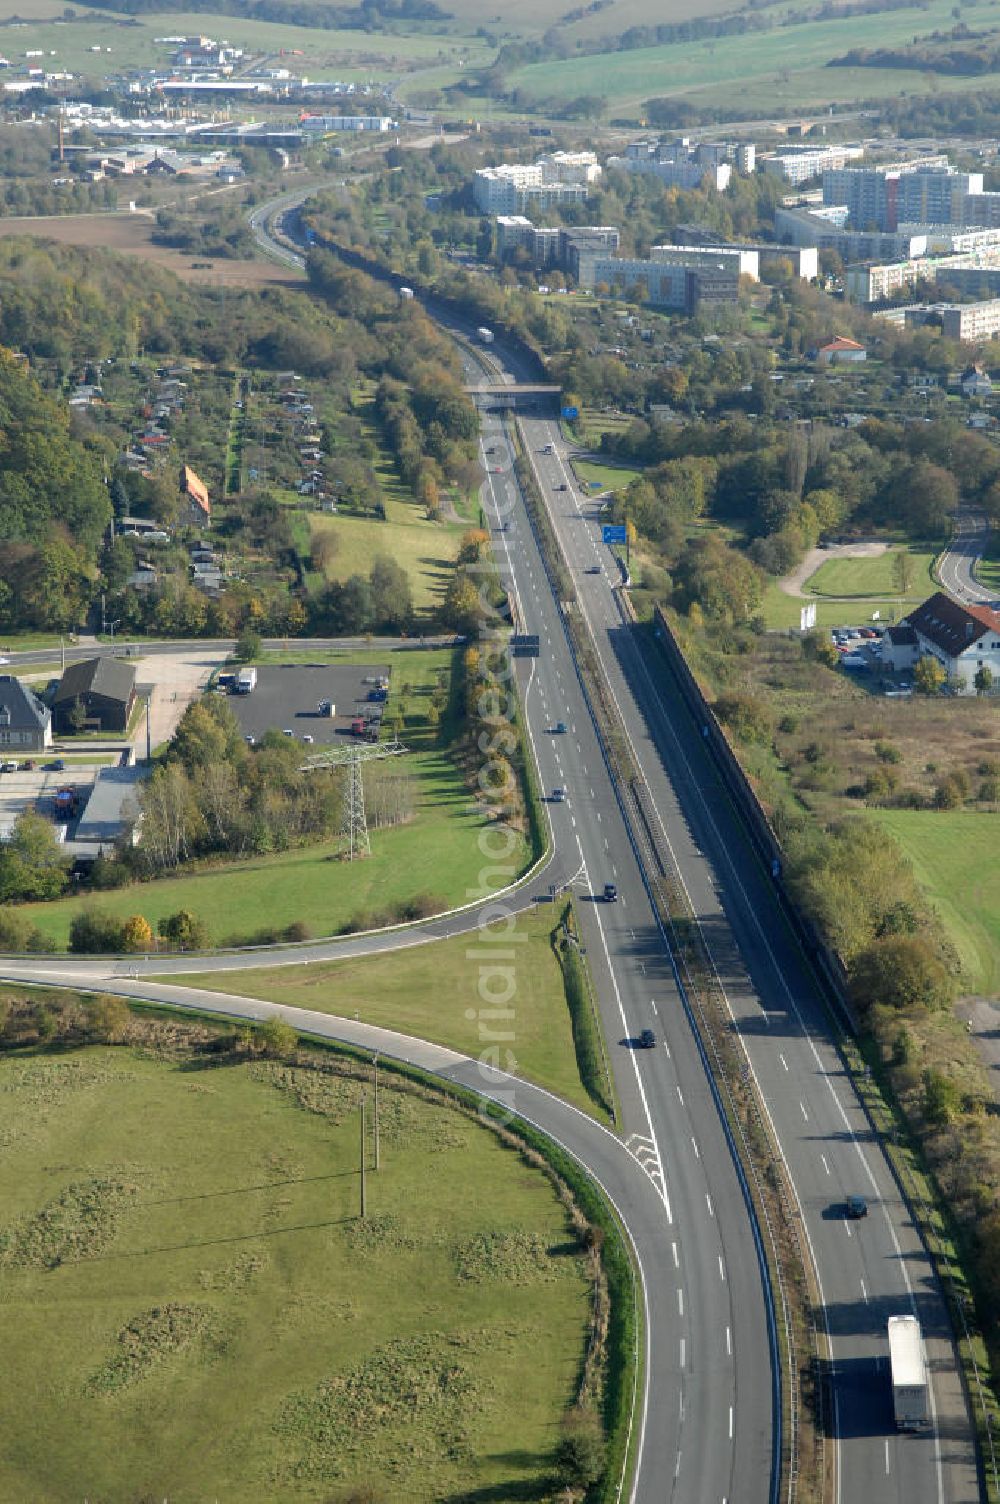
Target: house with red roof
963 639
839 350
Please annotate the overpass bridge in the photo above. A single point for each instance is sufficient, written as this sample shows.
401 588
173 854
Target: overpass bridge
515 396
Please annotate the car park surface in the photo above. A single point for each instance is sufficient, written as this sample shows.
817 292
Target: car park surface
288 696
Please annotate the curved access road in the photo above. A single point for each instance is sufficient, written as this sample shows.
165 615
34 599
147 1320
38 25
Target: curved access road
957 565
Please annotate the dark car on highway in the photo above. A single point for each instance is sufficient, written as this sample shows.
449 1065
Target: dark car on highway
646 1040
855 1207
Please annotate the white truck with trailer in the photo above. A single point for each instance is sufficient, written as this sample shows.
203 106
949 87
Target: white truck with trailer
246 681
909 1373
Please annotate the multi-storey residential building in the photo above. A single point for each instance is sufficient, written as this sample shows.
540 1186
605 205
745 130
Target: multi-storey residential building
560 177
799 163
557 246
928 191
976 272
681 281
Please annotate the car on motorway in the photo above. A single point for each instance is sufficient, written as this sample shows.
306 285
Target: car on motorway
559 728
8 767
562 486
610 893
592 569
3 659
251 741
646 1040
855 1207
558 796
288 731
308 739
57 765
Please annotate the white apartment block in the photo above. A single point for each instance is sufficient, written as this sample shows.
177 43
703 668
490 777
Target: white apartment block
570 167
746 262
970 321
799 163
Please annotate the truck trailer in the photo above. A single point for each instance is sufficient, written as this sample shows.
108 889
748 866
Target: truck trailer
484 335
909 1373
246 681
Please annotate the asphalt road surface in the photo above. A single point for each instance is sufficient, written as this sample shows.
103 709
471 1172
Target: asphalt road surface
957 565
867 1271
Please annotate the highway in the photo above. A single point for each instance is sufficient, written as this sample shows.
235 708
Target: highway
868 1270
707 1430
706 1425
957 565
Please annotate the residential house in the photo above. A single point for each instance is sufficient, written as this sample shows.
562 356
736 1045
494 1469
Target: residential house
105 689
194 490
25 723
975 382
963 639
839 351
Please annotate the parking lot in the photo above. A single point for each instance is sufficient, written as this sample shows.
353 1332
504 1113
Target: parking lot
35 788
862 653
287 697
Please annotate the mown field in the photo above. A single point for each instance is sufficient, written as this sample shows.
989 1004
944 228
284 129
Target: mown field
864 578
194 1309
954 857
426 550
432 991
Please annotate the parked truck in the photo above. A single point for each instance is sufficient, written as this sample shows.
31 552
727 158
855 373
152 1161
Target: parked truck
909 1373
484 335
246 681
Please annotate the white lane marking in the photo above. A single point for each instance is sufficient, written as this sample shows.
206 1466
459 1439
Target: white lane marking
680 1096
803 1111
887 1457
847 1229
683 1349
677 1258
680 1302
825 1165
695 1147
783 1060
730 1423
711 1211
722 1268
655 1009
864 1293
729 1343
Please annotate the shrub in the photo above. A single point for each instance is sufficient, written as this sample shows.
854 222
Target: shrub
96 933
989 790
580 1451
137 933
423 906
749 717
901 972
948 794
184 930
18 934
277 1037
109 1019
296 931
886 752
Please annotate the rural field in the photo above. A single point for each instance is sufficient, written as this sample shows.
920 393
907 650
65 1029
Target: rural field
954 857
130 42
711 69
131 235
195 1310
426 550
431 991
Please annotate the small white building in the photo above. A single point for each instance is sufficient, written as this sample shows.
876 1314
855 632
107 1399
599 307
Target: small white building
963 639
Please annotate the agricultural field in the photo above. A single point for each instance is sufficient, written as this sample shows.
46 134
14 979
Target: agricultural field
130 43
709 70
954 857
199 1311
431 991
131 235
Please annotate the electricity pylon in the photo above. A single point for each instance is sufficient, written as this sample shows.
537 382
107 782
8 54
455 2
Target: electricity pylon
355 823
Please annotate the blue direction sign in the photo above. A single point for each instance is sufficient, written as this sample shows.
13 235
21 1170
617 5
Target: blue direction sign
613 532
571 413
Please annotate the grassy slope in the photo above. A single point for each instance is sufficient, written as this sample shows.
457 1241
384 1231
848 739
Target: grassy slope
431 990
354 54
426 550
611 477
245 1210
954 856
719 65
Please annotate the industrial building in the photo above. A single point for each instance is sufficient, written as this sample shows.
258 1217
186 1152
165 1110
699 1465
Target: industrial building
104 690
